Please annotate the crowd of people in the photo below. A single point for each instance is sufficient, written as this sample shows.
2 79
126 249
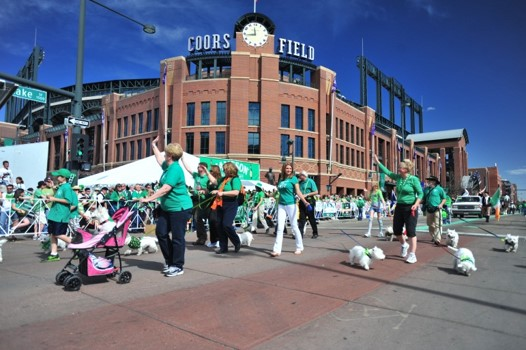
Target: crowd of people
211 207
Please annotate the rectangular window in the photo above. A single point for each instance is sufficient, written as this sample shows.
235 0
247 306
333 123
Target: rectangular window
362 143
221 113
141 121
119 128
170 116
139 149
284 146
118 152
341 160
347 131
220 142
132 150
148 121
311 120
253 143
133 124
341 130
285 116
148 147
156 119
298 146
347 153
189 143
125 126
363 159
124 152
205 143
352 158
190 114
299 118
205 113
311 151
253 114
352 133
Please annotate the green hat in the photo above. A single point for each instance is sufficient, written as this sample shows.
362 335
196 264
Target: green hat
62 172
259 184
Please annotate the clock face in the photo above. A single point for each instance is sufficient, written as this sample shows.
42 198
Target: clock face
255 34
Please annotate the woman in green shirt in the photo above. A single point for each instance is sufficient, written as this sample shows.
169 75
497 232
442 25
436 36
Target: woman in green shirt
176 208
409 194
377 205
288 187
226 206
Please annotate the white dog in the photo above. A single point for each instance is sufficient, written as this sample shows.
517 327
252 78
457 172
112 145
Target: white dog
246 238
452 238
511 243
365 257
2 242
464 262
389 234
143 245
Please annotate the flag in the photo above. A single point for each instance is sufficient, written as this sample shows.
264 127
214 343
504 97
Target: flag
66 135
334 86
102 117
399 147
414 154
494 201
164 73
373 129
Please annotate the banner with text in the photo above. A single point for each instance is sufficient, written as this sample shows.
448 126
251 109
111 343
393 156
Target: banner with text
246 170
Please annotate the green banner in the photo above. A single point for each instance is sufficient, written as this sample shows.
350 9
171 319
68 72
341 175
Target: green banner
246 170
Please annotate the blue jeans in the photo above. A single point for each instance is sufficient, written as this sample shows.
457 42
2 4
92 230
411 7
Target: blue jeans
173 248
3 223
225 224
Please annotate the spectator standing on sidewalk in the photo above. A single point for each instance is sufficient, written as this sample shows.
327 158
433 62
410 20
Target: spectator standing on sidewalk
409 194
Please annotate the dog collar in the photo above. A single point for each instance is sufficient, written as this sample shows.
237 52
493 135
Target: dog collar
135 243
368 253
466 258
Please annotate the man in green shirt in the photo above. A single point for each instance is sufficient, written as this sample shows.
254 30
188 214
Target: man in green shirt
258 208
434 200
309 190
60 212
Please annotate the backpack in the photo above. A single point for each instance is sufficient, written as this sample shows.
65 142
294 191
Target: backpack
241 195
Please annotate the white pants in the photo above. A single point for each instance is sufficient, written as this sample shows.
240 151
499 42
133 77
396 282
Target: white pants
289 211
258 214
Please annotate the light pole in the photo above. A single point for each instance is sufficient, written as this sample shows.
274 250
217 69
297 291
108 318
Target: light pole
77 100
290 143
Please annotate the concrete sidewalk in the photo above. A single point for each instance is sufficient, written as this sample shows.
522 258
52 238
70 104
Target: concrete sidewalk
249 300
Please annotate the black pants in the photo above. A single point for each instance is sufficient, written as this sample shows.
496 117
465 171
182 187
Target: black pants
225 219
304 216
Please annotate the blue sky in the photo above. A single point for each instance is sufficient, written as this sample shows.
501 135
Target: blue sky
464 60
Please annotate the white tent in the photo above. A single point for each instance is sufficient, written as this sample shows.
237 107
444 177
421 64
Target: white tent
143 171
251 185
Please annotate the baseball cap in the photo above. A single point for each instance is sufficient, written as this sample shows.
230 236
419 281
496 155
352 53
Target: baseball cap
62 172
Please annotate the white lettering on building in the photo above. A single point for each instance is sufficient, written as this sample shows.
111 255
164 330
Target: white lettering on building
208 42
296 49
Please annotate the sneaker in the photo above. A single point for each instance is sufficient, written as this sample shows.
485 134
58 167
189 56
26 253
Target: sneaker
53 258
211 245
174 271
411 259
166 268
403 250
367 235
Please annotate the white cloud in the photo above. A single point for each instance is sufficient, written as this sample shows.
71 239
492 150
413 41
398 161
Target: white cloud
430 108
517 171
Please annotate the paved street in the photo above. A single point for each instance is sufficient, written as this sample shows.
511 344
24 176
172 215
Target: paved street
251 301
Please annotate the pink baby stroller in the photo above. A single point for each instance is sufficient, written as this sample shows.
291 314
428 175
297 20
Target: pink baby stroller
90 264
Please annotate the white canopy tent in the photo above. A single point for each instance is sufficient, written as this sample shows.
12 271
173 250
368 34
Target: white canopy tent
143 171
250 185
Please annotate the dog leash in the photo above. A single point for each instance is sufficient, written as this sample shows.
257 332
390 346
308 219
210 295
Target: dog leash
351 237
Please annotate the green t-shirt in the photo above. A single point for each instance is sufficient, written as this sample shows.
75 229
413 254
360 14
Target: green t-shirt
60 212
433 196
377 198
231 185
287 190
260 195
177 199
38 200
200 183
308 186
74 203
408 189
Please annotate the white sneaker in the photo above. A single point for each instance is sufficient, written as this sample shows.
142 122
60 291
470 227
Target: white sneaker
411 259
403 250
367 235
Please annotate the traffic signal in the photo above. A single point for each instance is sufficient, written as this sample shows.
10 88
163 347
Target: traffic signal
79 147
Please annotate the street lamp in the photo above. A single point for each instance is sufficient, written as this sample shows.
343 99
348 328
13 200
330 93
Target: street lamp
290 143
77 100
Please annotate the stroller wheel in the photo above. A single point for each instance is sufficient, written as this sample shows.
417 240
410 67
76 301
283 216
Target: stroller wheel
72 283
62 276
125 277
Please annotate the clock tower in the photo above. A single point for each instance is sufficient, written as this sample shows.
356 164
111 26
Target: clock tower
254 33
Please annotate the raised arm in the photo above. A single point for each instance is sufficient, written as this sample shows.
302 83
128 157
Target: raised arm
158 156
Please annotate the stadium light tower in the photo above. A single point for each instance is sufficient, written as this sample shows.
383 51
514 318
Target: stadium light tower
77 100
